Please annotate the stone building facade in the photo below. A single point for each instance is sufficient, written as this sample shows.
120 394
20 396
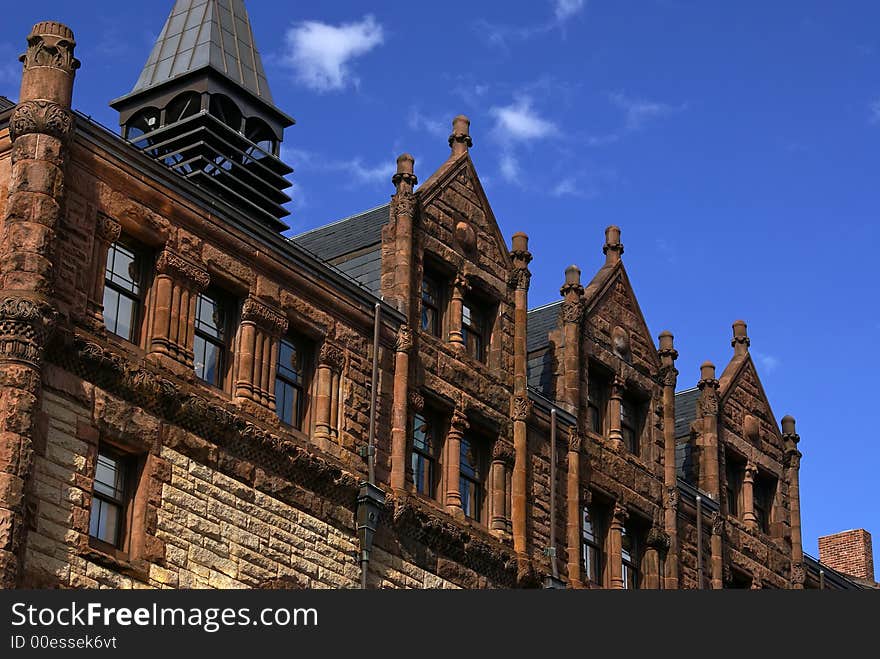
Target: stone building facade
188 399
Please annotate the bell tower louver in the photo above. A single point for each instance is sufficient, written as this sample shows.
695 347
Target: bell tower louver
202 106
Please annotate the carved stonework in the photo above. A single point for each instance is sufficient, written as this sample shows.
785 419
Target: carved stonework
620 514
416 401
264 316
522 408
107 229
520 278
461 138
717 524
177 267
576 441
24 327
466 237
461 284
572 311
620 342
404 341
503 452
798 576
43 117
459 423
50 44
672 498
331 355
669 375
404 204
658 539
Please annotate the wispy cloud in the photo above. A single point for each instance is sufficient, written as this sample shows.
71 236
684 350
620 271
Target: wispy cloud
359 171
874 109
509 167
638 111
502 35
434 125
768 363
519 121
321 54
588 183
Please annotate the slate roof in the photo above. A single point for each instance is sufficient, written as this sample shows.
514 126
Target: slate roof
201 34
541 321
685 410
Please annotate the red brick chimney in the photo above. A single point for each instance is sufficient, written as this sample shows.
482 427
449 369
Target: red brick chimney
849 552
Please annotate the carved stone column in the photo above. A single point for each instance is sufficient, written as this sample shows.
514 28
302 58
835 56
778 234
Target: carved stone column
457 429
573 508
520 280
256 356
502 456
107 232
330 361
748 491
790 440
178 283
399 411
716 548
668 354
572 314
403 205
40 127
615 546
460 287
615 432
708 410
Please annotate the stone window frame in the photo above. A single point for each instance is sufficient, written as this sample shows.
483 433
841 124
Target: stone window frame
768 485
146 267
308 347
488 301
441 285
231 326
442 273
440 420
734 465
590 511
148 473
640 400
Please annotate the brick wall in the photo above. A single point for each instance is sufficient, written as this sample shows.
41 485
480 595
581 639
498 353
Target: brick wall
849 552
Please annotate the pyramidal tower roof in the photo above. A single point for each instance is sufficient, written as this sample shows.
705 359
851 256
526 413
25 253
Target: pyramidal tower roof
202 34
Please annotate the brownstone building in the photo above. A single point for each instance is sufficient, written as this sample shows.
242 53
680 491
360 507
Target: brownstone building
189 399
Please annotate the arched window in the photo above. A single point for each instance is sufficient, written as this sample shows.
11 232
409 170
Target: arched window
184 105
224 109
258 131
145 121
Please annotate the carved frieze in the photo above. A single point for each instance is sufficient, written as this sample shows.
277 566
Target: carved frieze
24 327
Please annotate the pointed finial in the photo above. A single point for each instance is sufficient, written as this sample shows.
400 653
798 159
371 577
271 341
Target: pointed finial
460 139
740 341
613 248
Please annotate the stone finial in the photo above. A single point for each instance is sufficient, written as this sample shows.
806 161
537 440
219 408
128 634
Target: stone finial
788 425
520 242
572 287
707 371
404 179
668 354
740 341
613 248
521 256
49 64
460 139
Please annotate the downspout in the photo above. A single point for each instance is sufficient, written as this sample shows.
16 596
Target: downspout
699 502
371 498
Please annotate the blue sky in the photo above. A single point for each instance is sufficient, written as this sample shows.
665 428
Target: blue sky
736 144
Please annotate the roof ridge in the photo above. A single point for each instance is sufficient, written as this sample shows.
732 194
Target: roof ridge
339 221
544 306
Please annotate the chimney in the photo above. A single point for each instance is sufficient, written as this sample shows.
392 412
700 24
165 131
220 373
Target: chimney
849 552
460 140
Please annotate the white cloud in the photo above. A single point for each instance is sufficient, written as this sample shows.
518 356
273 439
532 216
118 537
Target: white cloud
509 167
768 363
567 187
357 170
565 9
518 122
432 125
875 112
637 111
320 54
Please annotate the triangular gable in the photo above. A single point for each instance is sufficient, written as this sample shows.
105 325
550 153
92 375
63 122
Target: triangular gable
610 303
455 189
741 377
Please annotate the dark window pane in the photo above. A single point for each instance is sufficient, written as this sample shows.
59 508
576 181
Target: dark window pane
430 307
290 382
109 477
122 291
423 455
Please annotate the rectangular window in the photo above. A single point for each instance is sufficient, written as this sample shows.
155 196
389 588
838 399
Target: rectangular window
734 476
473 330
630 424
424 452
123 291
630 558
597 398
212 333
431 302
471 481
291 381
109 498
763 501
592 552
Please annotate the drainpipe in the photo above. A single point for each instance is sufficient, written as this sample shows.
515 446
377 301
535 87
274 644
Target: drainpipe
821 579
699 502
371 498
553 581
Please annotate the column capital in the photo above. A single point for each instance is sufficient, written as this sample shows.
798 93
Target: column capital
107 229
332 356
263 316
751 471
620 514
459 423
576 440
717 524
175 266
522 408
404 341
503 451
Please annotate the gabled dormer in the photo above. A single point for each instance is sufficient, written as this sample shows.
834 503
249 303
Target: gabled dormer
202 106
